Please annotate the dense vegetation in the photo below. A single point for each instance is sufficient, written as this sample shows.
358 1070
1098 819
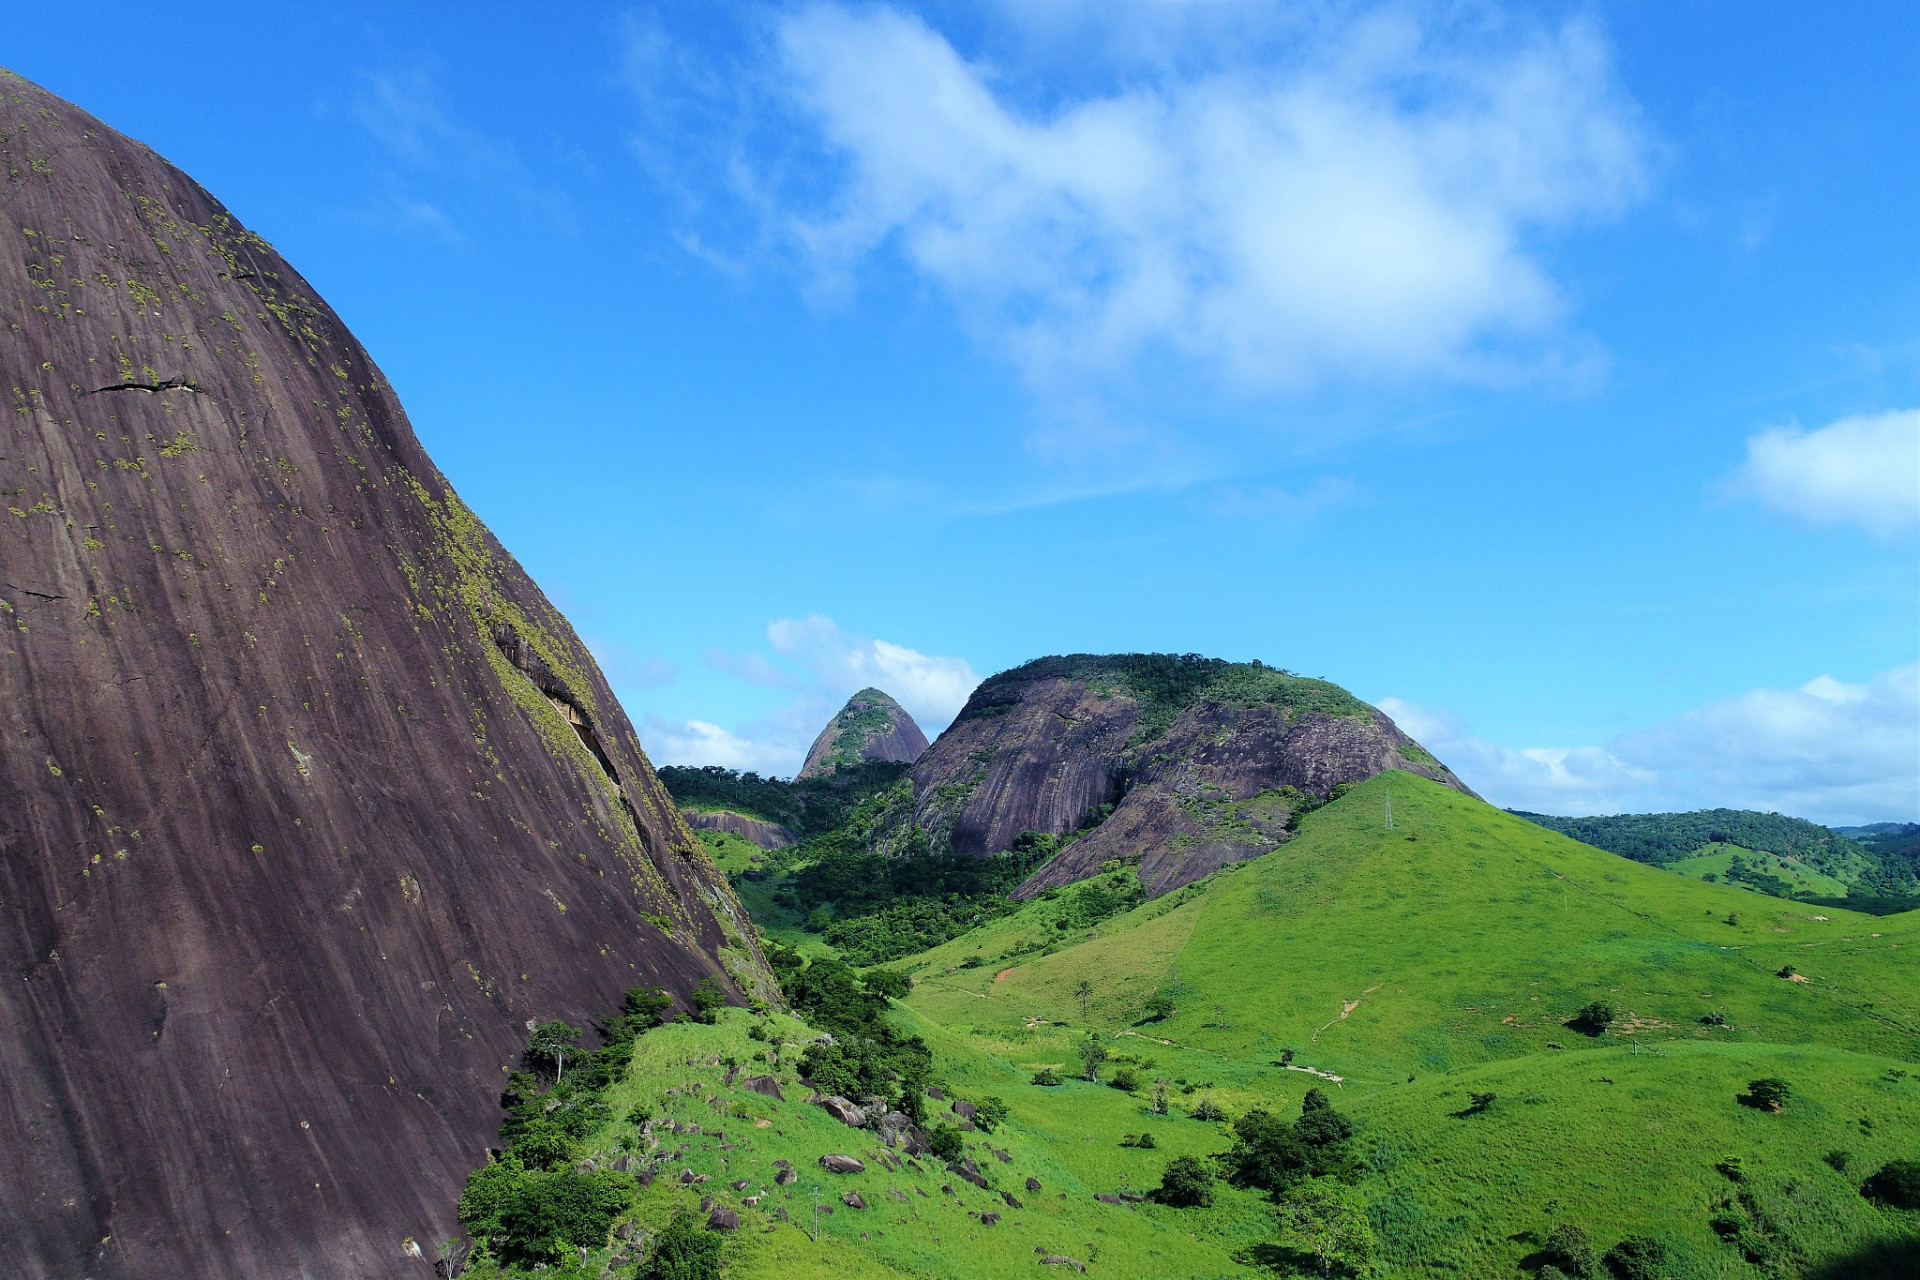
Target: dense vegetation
809 806
1664 838
1166 684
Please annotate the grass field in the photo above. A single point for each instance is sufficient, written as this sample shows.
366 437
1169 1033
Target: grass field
1400 970
1717 859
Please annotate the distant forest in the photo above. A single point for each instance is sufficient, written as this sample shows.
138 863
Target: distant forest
1873 867
807 807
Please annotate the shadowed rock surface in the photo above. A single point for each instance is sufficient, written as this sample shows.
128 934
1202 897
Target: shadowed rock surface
768 835
1179 763
872 726
311 799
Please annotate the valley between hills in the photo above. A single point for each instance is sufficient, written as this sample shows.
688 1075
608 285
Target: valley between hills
349 930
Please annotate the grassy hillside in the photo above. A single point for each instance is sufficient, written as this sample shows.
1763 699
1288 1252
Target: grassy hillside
1424 977
1779 875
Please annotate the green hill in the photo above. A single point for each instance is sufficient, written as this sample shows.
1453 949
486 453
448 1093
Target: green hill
1424 977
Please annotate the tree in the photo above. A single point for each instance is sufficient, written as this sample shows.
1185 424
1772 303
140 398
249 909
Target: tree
1767 1094
1124 1080
990 1113
1640 1258
1159 1007
1896 1183
683 1251
450 1255
1316 1100
887 982
1186 1184
1593 1019
1046 1077
708 999
548 1045
1571 1250
1083 991
1092 1054
1328 1221
945 1141
1161 1092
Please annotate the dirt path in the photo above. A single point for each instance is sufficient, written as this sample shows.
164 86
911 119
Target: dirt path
1347 1007
1002 975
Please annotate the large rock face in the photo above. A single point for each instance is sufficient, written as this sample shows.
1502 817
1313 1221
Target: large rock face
872 726
1179 764
308 799
768 835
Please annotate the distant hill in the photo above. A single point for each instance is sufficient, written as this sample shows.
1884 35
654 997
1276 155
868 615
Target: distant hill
872 726
1179 763
1666 839
803 807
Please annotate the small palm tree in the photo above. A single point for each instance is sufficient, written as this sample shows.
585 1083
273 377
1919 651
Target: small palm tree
1084 990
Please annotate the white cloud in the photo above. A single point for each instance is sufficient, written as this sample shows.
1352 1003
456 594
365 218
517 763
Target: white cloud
1831 751
1362 211
1861 470
697 742
826 666
932 689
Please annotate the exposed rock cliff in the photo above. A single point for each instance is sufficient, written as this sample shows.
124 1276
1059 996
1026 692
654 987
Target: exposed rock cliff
310 798
872 726
1179 763
768 835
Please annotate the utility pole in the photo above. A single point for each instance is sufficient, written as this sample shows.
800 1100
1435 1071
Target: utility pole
816 1213
1389 810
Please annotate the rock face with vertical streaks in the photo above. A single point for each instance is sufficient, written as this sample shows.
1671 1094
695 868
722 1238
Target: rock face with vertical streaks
309 799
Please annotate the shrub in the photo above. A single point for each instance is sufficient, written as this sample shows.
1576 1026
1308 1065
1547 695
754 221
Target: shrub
1159 1007
1046 1076
544 1215
1124 1080
1208 1110
1838 1160
990 1113
1570 1249
1478 1103
1316 1100
1092 1054
945 1141
1767 1094
1328 1221
1186 1184
708 999
1896 1184
1593 1019
683 1251
1640 1258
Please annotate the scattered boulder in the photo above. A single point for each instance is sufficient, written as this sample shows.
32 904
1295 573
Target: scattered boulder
899 1195
834 1162
936 1094
1061 1260
989 1219
1002 1156
786 1177
852 1200
1033 1184
739 1184
1104 1198
844 1111
624 1231
961 1107
723 1219
765 1086
1011 1202
968 1170
643 1176
732 1074
687 1176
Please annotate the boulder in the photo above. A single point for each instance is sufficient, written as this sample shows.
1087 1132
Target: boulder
740 1184
1011 1202
834 1162
765 1086
844 1111
989 1219
785 1178
723 1219
1061 1260
1104 1198
961 1107
968 1170
852 1200
1033 1184
1002 1156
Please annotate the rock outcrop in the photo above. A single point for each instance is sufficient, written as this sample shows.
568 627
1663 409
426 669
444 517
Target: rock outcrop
1180 764
872 726
768 835
311 798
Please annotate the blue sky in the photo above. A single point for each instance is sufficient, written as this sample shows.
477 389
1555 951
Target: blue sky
1549 375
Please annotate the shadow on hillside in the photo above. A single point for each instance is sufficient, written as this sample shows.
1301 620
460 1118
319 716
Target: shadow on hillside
1885 1260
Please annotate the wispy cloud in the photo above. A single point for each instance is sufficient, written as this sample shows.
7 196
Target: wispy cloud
1862 470
1363 210
823 665
1829 750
